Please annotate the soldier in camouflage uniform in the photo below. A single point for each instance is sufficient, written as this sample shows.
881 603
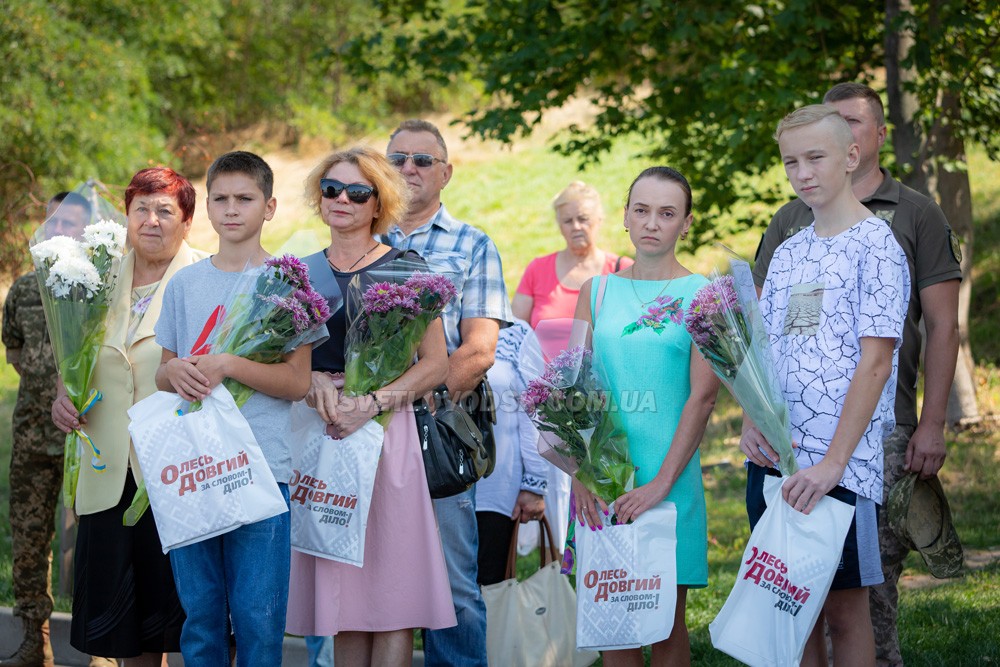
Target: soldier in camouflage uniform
36 461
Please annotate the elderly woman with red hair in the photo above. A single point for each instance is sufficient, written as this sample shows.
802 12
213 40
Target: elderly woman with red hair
124 601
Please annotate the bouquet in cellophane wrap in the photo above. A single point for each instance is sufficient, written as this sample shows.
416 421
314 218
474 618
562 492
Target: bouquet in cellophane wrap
568 400
77 276
725 324
269 313
388 314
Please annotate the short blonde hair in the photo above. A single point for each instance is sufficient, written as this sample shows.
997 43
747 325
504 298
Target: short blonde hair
393 194
578 191
816 113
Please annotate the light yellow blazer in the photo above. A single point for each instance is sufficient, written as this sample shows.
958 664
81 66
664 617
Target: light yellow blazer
124 376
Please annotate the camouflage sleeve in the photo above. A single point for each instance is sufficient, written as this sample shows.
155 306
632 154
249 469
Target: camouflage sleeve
13 337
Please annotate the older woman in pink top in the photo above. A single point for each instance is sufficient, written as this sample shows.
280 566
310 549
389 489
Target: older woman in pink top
548 292
551 283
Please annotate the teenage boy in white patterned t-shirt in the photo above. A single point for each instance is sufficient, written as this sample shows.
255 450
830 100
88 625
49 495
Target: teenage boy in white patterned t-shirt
834 304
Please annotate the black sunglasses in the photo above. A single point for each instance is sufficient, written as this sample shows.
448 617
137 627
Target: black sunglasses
421 160
359 193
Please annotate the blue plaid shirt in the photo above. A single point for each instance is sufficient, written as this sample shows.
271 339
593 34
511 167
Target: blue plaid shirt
470 259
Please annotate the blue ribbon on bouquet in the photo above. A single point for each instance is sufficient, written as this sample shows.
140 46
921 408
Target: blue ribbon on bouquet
95 460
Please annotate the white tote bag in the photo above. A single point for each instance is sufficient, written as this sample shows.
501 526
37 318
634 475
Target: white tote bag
204 471
785 575
331 486
626 582
532 623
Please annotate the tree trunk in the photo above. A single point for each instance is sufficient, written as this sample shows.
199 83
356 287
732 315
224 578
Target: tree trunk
929 164
903 105
950 186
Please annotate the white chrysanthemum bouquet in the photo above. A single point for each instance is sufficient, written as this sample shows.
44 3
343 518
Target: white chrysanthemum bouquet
77 278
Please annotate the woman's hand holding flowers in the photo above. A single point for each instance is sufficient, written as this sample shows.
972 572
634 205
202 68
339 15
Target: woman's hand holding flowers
324 393
351 414
64 414
588 506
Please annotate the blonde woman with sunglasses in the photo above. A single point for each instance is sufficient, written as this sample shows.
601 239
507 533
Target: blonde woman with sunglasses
403 583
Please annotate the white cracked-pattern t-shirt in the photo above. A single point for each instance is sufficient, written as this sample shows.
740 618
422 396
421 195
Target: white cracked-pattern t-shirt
821 296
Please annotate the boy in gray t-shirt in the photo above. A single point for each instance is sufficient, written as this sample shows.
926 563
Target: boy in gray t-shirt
240 577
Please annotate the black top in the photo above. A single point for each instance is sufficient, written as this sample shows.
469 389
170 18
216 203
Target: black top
330 355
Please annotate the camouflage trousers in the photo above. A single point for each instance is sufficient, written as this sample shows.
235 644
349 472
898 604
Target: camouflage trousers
884 598
35 484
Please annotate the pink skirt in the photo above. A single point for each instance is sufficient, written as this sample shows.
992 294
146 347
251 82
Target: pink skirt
404 581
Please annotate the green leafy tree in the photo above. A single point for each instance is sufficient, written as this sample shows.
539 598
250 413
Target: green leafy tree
704 82
101 88
943 87
73 104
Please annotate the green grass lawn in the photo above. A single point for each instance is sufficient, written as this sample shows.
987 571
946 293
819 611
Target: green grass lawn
508 193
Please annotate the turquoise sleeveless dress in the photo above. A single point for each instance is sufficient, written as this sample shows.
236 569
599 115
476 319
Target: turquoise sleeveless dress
645 352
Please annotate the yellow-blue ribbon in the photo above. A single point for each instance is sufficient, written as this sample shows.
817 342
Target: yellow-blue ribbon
92 398
95 459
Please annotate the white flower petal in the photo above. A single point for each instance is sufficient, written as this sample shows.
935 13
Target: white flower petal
68 272
58 247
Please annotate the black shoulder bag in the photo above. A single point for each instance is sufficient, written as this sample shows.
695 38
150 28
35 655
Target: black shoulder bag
455 456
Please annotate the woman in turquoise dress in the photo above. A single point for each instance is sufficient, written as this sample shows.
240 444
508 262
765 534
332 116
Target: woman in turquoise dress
664 389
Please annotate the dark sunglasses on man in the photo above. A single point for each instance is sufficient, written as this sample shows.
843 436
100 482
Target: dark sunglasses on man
420 160
359 193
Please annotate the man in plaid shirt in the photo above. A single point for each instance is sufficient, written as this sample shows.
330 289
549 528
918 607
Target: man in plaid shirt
472 324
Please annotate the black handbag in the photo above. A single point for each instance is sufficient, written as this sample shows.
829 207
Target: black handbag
451 443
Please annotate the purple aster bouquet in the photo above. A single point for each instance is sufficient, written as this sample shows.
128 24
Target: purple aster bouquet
726 326
388 315
268 314
581 432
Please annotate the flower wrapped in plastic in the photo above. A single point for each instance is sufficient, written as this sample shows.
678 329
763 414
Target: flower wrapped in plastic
726 326
268 314
388 314
567 399
76 276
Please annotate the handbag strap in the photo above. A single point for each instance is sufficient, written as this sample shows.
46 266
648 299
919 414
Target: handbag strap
546 547
602 284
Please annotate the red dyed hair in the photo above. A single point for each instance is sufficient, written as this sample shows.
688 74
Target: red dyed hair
154 180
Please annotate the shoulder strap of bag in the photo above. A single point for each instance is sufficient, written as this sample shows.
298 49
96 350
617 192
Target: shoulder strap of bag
602 284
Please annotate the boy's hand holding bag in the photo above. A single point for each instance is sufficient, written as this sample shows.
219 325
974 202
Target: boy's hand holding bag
785 574
204 471
626 582
331 486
